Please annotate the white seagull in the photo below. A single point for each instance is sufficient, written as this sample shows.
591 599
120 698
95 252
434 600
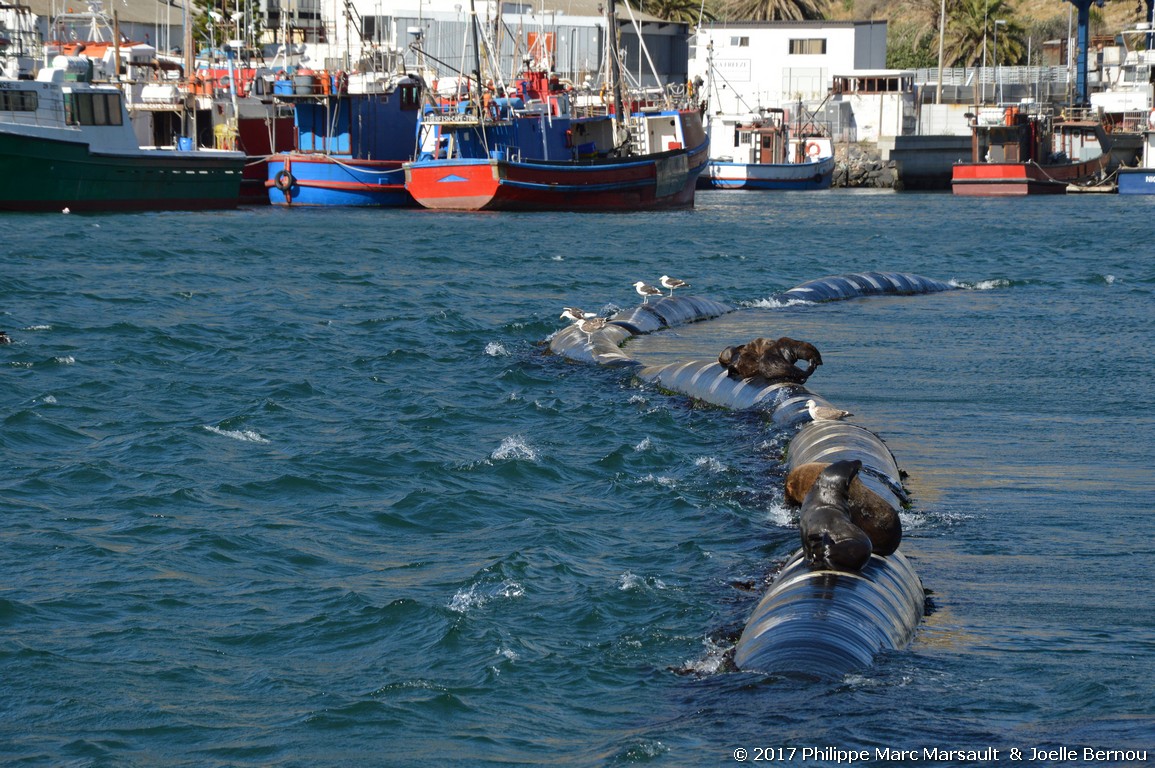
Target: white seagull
672 283
646 291
822 413
591 325
575 315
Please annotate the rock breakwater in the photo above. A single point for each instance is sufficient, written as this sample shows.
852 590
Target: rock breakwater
861 165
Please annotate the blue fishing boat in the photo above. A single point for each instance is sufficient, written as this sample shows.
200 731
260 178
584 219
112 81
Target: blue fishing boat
353 134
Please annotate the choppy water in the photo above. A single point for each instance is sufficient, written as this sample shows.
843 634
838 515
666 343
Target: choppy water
302 488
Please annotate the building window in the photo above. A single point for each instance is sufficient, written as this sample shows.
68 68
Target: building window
879 84
809 46
740 42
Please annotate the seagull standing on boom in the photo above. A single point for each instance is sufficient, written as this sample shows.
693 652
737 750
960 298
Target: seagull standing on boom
646 291
822 413
672 283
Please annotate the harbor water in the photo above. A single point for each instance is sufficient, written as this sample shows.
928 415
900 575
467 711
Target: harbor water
306 488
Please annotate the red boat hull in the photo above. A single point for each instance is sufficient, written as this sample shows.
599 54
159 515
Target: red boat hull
664 180
1021 179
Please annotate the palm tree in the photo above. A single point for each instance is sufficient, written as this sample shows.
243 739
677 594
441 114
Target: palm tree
970 25
685 11
775 10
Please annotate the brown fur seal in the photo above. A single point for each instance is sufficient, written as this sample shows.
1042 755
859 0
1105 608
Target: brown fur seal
772 360
829 539
868 510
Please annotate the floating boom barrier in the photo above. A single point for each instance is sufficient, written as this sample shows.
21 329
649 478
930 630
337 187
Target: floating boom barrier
859 284
812 621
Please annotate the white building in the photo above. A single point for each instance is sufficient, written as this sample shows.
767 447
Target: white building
778 63
828 72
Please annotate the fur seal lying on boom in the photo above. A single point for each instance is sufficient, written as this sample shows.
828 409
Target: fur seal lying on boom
868 510
829 538
773 360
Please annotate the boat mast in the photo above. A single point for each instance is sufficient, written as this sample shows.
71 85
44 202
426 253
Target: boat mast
476 100
621 119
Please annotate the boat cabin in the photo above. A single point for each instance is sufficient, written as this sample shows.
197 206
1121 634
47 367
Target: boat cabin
1032 133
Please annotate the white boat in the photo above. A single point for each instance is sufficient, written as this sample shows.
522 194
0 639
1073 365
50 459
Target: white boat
760 153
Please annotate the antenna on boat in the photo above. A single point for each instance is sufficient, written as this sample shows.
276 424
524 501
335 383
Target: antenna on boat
621 119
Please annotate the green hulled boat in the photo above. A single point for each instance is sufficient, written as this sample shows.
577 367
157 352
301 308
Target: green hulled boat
67 143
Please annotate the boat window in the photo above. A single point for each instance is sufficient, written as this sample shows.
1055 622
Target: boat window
92 109
82 108
18 101
808 46
410 96
114 112
99 110
740 42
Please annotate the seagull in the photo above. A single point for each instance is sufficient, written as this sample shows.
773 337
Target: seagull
575 315
591 325
672 283
646 291
822 413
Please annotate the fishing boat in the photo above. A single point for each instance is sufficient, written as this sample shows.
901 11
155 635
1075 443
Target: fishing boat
218 99
1025 150
1128 101
759 153
354 132
1140 178
528 149
68 143
231 99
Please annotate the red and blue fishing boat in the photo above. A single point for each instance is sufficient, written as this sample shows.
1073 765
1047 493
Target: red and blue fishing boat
530 149
353 133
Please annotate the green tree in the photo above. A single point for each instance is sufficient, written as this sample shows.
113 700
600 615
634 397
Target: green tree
684 11
970 23
776 10
910 46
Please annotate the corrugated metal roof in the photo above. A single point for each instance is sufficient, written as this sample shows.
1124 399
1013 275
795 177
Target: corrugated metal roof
152 11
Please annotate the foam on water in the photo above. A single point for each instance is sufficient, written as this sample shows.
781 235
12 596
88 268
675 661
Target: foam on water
514 448
479 595
244 435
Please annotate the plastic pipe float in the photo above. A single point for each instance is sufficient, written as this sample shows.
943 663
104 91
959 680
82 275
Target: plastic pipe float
825 623
860 284
603 346
815 620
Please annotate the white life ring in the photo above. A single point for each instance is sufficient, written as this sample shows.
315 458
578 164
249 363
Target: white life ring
813 150
1151 119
